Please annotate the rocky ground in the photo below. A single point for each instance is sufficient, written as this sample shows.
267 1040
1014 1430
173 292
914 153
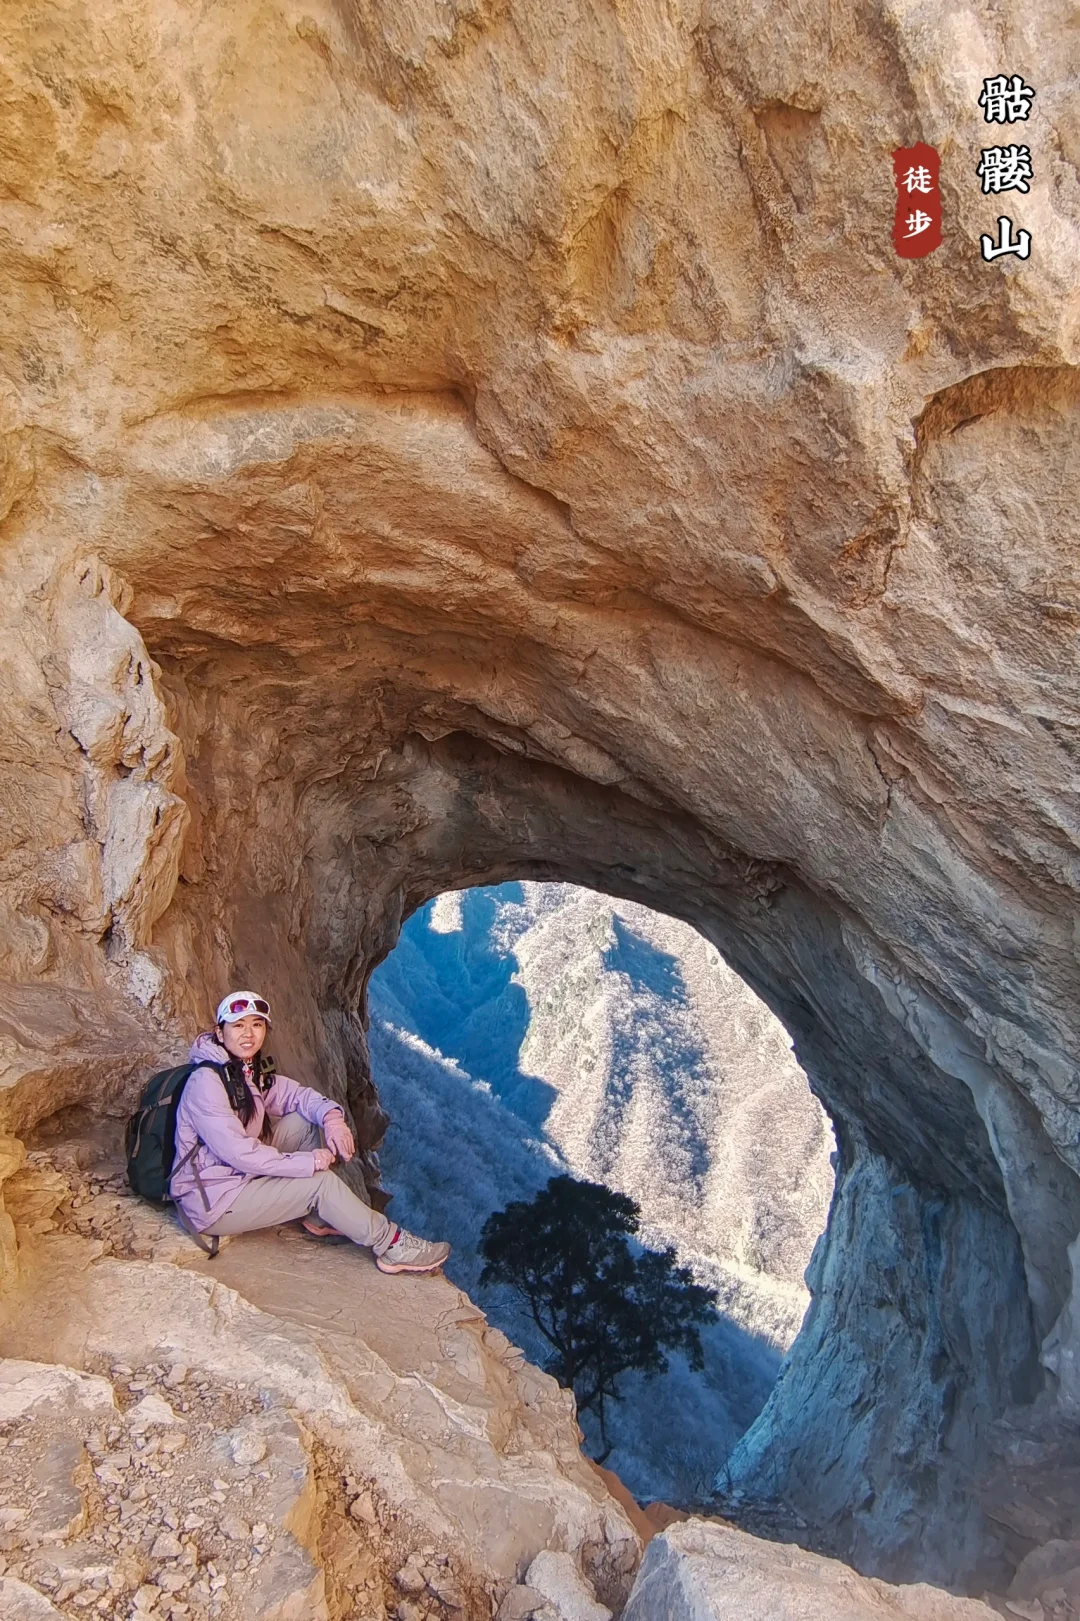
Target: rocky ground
704 1569
155 1491
68 1188
232 1465
172 1453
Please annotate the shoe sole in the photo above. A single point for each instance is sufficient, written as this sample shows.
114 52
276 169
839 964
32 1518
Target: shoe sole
406 1266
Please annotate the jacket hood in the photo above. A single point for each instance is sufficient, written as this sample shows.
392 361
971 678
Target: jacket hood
207 1049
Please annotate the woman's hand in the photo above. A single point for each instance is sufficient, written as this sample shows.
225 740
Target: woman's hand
323 1157
338 1136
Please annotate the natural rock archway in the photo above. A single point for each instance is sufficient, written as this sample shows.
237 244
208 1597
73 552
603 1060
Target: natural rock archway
439 447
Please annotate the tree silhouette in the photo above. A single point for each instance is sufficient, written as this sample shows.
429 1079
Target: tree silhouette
604 1310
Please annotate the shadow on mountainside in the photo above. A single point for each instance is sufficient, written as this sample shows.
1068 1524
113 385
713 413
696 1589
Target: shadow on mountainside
457 991
645 965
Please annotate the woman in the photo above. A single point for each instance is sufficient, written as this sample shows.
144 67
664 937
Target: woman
228 1179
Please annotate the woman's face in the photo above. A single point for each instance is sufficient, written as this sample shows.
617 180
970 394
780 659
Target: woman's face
244 1038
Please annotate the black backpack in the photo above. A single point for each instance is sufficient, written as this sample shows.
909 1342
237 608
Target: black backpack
150 1139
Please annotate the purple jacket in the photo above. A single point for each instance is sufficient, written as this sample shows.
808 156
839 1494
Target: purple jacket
231 1153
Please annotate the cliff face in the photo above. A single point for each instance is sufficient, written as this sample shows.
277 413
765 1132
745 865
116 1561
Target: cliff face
443 443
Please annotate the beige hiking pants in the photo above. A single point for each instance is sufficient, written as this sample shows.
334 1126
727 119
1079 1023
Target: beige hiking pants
267 1201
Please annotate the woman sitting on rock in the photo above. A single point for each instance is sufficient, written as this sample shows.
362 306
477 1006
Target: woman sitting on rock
228 1179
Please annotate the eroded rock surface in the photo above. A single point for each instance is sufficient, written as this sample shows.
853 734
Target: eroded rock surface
134 1494
700 1571
440 444
284 1434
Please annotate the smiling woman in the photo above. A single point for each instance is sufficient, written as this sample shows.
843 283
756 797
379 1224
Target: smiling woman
255 1149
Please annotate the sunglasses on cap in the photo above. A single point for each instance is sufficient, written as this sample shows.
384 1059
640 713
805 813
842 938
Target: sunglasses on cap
241 1005
248 1004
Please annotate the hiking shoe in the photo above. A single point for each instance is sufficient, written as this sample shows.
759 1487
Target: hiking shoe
407 1253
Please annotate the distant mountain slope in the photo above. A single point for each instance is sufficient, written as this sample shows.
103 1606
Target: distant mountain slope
526 1028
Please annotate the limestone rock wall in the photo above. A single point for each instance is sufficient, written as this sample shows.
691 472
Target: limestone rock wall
443 442
903 1299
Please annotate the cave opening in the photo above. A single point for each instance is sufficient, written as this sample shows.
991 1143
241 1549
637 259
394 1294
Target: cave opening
325 818
527 1030
296 800
311 664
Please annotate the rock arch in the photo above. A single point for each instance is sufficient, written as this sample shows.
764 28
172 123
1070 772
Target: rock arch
367 535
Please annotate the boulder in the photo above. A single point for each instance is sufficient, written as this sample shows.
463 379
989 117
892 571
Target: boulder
700 1571
1047 1572
558 1577
21 1602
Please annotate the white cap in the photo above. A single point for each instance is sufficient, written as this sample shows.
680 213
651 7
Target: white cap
242 1005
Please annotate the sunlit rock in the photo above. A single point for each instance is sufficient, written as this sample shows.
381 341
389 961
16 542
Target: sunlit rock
701 1571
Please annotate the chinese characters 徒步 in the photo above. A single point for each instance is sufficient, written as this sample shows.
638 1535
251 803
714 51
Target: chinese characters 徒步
917 225
1005 100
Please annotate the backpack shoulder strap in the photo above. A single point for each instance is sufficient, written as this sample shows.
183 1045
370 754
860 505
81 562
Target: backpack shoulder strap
209 1246
188 1157
206 1063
